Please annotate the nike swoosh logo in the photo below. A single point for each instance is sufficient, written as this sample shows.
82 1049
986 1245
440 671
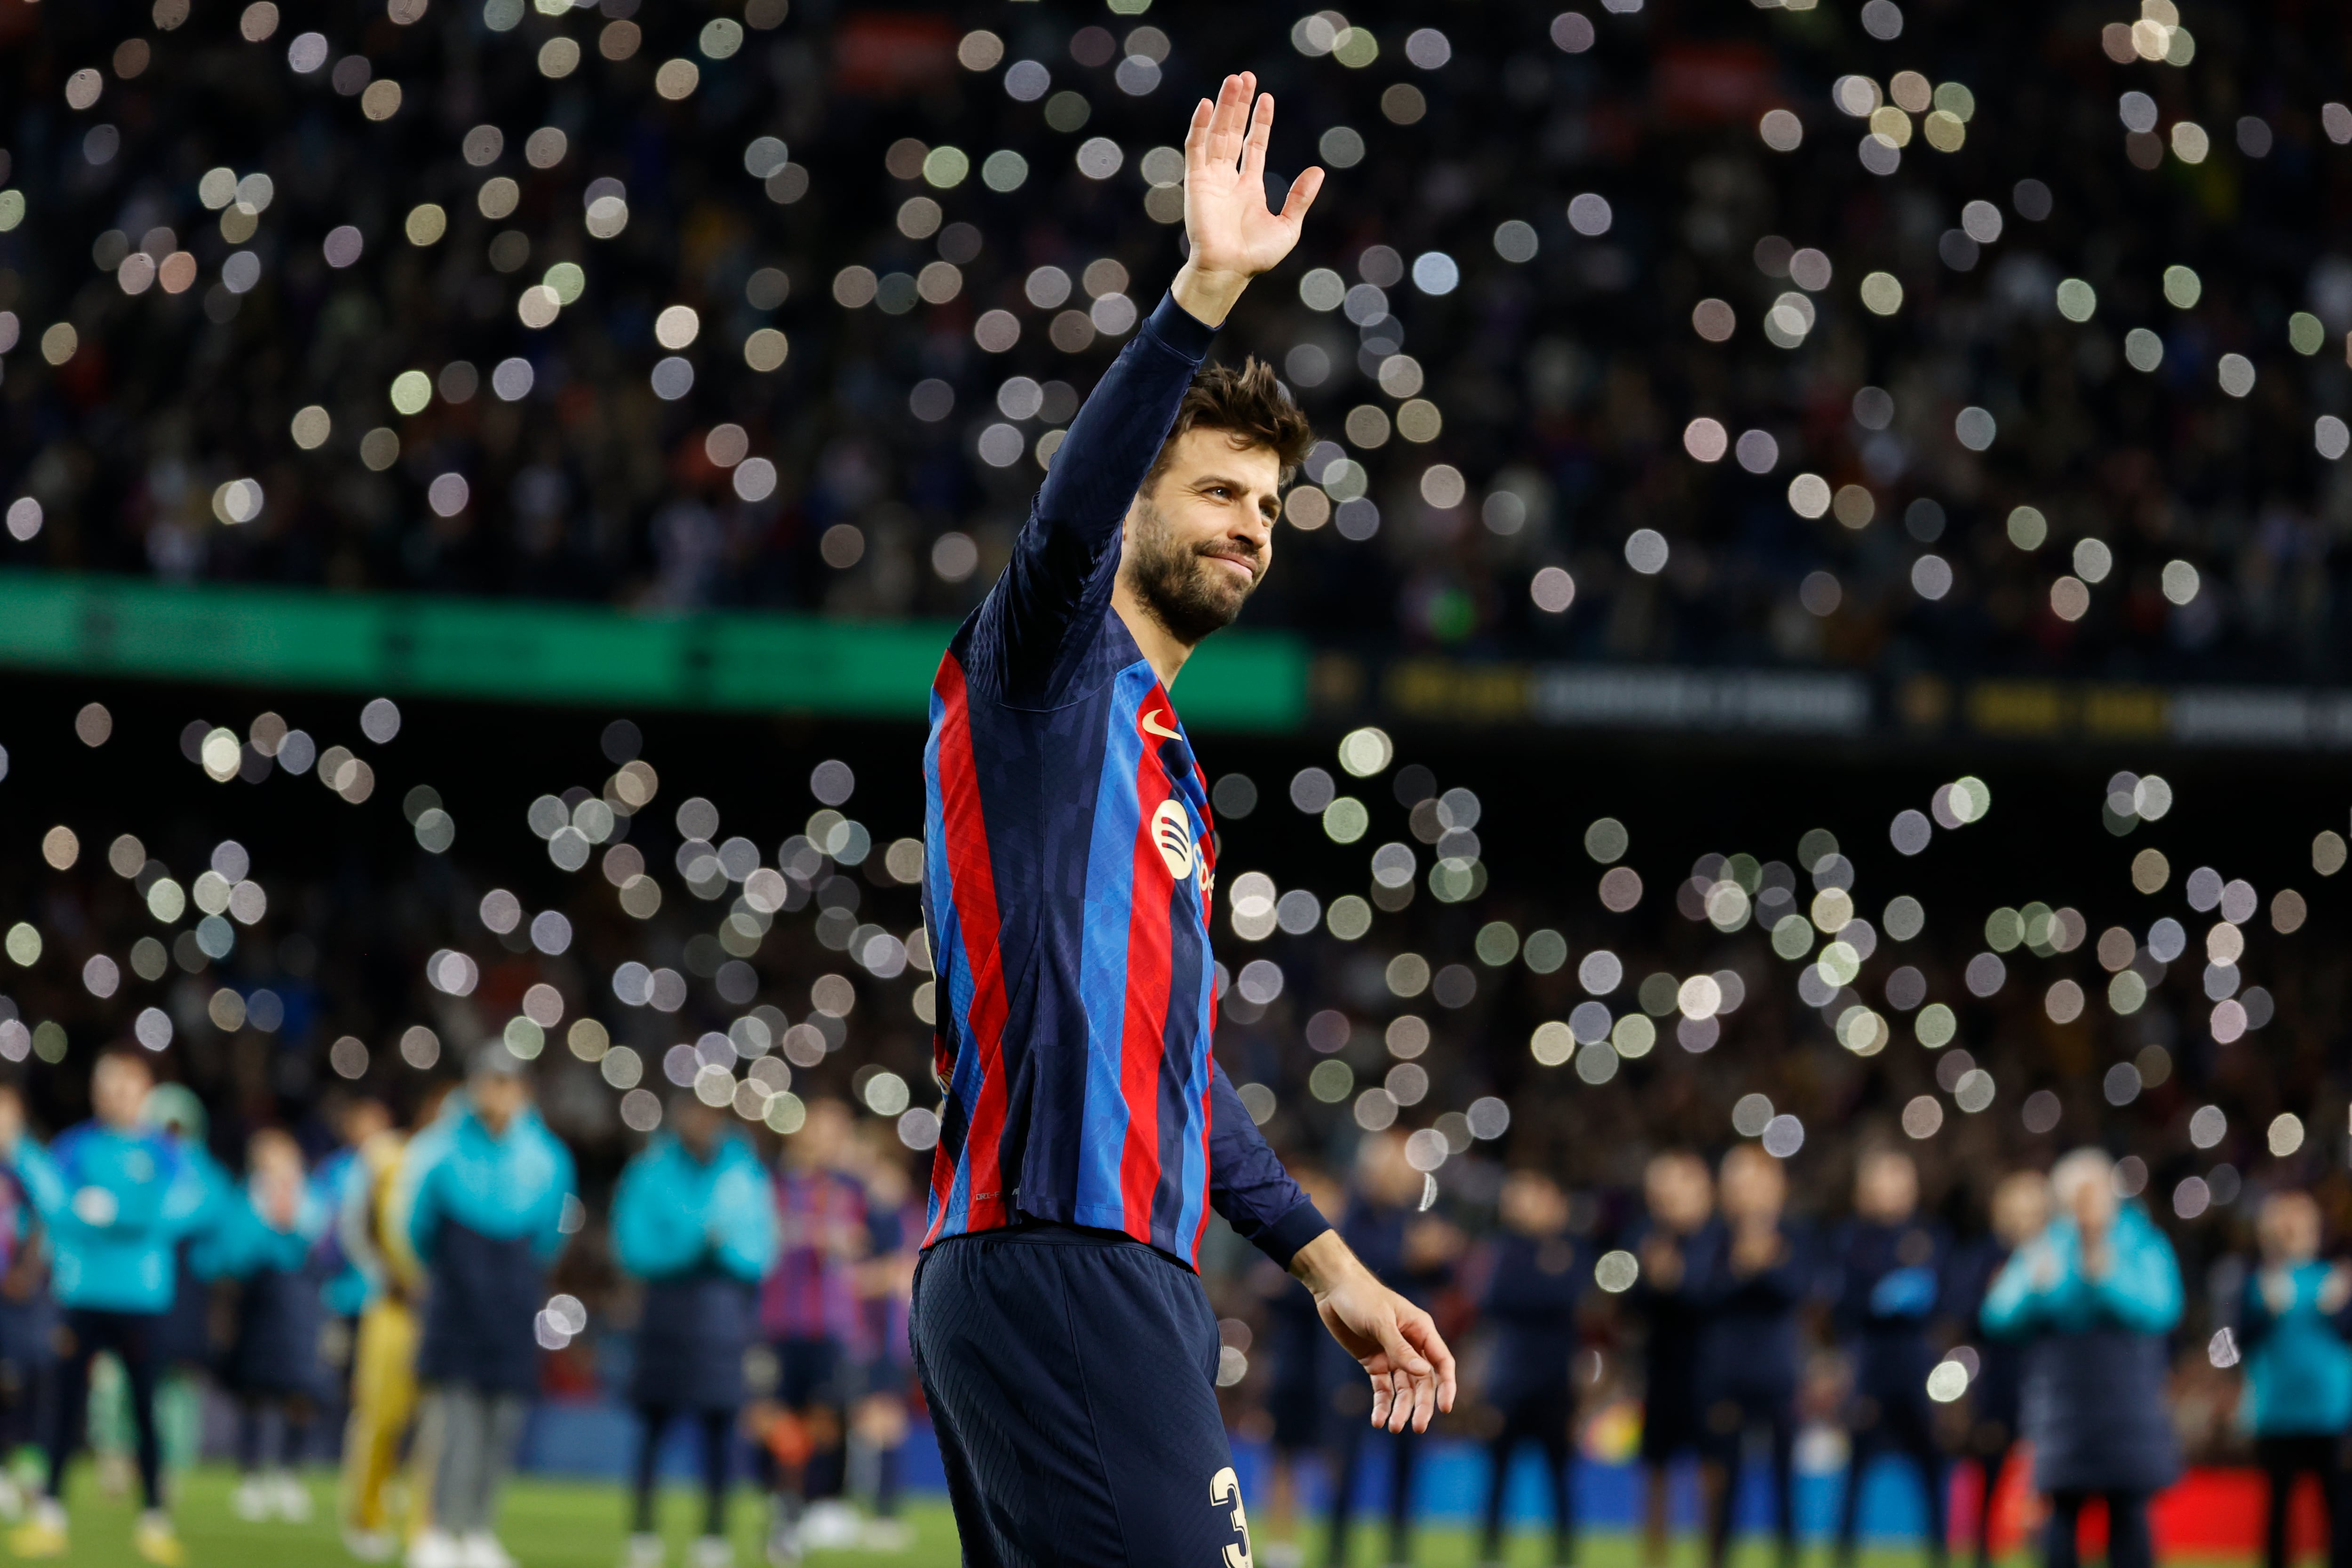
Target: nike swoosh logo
1152 725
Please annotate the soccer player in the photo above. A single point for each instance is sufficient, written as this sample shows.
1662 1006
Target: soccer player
2094 1295
1535 1279
1891 1264
383 1349
2020 1209
265 1244
809 1313
1679 1194
1414 1254
1064 1343
1750 1274
116 1194
485 1215
28 1319
693 1219
2298 1368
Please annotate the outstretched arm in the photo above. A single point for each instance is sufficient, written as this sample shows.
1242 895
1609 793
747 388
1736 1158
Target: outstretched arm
1065 558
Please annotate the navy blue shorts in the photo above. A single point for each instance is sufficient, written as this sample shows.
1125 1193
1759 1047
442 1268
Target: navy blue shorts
1072 1380
813 1373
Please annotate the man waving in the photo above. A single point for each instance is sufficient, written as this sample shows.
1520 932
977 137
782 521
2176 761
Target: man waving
1064 1342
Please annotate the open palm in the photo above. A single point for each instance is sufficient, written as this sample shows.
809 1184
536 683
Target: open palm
1232 229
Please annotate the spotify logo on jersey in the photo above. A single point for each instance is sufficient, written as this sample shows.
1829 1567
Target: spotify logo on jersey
1171 830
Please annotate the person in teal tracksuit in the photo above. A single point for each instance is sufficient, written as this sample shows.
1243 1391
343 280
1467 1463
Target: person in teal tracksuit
694 1219
184 1343
2298 1368
269 1244
116 1195
486 1209
2095 1294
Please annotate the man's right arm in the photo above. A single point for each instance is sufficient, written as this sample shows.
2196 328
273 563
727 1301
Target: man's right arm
1068 554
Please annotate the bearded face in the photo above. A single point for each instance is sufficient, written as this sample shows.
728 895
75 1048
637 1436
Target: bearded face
1190 586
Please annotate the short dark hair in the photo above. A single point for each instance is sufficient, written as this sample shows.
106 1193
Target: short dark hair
1246 400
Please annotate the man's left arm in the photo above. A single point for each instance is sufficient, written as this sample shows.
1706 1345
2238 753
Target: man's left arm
1395 1343
1247 1184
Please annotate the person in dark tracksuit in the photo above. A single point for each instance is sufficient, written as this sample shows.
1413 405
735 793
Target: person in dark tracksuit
1412 1254
267 1242
2298 1368
28 1320
1534 1275
485 1209
1891 1265
1752 1275
2094 1295
1311 1374
1680 1194
2020 1208
1067 1346
693 1219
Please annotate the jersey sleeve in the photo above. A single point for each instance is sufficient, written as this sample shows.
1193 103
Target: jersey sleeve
1247 1184
1026 639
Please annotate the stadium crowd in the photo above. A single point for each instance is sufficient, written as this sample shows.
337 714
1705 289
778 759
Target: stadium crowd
854 268
410 1132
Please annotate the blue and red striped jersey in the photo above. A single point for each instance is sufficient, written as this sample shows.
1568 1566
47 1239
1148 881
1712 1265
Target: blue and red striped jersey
811 1290
1068 867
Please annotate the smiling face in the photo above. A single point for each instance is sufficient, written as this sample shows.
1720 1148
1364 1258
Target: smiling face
1200 534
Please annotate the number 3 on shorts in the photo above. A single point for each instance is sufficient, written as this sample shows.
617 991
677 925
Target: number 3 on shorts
1225 1486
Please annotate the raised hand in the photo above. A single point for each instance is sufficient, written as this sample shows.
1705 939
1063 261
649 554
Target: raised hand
1234 236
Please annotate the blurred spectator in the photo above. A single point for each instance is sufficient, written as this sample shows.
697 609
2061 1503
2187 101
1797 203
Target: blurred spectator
1554 246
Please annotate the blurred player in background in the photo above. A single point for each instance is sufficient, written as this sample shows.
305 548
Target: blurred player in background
2020 1208
486 1217
1412 1254
809 1314
374 1238
348 1286
879 1423
1751 1276
268 1244
1310 1374
117 1196
1680 1197
2095 1295
185 1349
1534 1277
1891 1264
692 1219
28 1320
2298 1368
